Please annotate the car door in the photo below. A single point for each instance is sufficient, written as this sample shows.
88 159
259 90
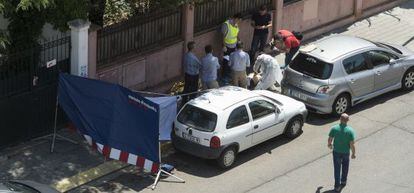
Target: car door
386 74
239 127
266 121
360 76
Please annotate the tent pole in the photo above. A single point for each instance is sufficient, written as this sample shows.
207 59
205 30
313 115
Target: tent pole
160 170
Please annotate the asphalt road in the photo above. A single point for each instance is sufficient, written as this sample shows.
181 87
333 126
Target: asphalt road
385 144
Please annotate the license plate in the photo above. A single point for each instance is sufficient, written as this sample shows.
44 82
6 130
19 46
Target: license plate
297 95
191 138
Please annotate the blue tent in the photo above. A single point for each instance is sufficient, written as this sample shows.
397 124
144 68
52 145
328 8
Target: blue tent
117 118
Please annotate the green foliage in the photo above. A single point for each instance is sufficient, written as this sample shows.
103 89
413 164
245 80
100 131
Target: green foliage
66 10
34 4
116 11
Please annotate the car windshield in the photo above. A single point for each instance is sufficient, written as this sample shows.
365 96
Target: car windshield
311 66
198 118
19 187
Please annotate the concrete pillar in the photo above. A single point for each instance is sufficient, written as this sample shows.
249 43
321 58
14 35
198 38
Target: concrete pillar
188 26
79 51
92 50
277 15
358 8
188 23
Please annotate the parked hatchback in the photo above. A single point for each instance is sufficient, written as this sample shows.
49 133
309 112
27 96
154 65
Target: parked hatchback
223 122
340 71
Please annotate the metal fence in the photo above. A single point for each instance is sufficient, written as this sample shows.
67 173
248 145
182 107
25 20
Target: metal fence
28 88
21 69
138 34
209 14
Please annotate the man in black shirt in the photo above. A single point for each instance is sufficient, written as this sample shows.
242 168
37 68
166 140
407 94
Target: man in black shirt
261 21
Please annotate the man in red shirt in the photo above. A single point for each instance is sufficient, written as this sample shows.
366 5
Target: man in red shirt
288 43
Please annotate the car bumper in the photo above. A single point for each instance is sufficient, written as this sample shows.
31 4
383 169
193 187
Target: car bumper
319 103
195 149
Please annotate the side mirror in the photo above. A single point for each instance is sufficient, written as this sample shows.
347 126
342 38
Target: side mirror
277 110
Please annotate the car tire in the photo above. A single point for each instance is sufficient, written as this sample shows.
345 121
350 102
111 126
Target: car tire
408 80
227 158
341 105
294 127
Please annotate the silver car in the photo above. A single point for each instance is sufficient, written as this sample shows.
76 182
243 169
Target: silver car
339 71
24 186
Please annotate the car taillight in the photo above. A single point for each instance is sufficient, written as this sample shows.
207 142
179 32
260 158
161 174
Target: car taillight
215 142
325 89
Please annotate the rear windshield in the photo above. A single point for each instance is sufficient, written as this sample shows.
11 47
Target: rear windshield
311 66
197 118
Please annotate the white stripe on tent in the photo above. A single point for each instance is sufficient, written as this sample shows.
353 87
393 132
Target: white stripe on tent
100 147
148 165
132 159
115 154
88 139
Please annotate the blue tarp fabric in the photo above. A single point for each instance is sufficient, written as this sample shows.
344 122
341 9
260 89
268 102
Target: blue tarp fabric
112 115
168 112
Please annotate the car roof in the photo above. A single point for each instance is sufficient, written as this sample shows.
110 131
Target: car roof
331 48
222 98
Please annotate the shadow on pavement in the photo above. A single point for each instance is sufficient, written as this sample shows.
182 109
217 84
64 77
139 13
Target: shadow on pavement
33 160
208 168
318 190
318 119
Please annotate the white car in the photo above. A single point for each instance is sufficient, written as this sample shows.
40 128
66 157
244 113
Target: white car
225 121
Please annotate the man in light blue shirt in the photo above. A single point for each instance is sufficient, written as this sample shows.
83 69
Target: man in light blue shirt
209 67
239 61
191 66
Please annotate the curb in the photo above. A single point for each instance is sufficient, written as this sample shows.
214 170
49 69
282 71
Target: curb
101 170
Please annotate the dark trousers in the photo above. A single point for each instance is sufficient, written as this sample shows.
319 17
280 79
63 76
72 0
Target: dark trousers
258 43
226 70
190 85
290 54
341 162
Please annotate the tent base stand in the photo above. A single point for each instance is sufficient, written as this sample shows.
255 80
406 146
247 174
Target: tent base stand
54 135
157 179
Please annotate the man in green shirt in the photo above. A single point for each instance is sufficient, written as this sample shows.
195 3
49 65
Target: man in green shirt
343 137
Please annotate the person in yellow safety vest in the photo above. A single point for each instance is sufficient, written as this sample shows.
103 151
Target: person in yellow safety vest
230 30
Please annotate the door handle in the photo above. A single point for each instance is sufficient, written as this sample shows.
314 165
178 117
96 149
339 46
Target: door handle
352 81
256 126
378 72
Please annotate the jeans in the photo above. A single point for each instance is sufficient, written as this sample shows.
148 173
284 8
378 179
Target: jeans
226 70
190 85
289 55
341 161
258 43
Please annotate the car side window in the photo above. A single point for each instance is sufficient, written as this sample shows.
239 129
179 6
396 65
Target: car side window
261 108
355 64
238 117
378 57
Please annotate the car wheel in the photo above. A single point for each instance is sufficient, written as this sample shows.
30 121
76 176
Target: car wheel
294 127
227 158
341 105
408 80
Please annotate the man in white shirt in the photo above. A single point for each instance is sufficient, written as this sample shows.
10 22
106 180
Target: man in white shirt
239 61
209 66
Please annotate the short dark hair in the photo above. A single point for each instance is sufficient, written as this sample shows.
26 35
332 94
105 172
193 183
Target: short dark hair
263 8
277 36
190 45
239 45
208 49
237 16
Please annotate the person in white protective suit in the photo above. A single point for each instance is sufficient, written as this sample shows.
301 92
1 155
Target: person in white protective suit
269 69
